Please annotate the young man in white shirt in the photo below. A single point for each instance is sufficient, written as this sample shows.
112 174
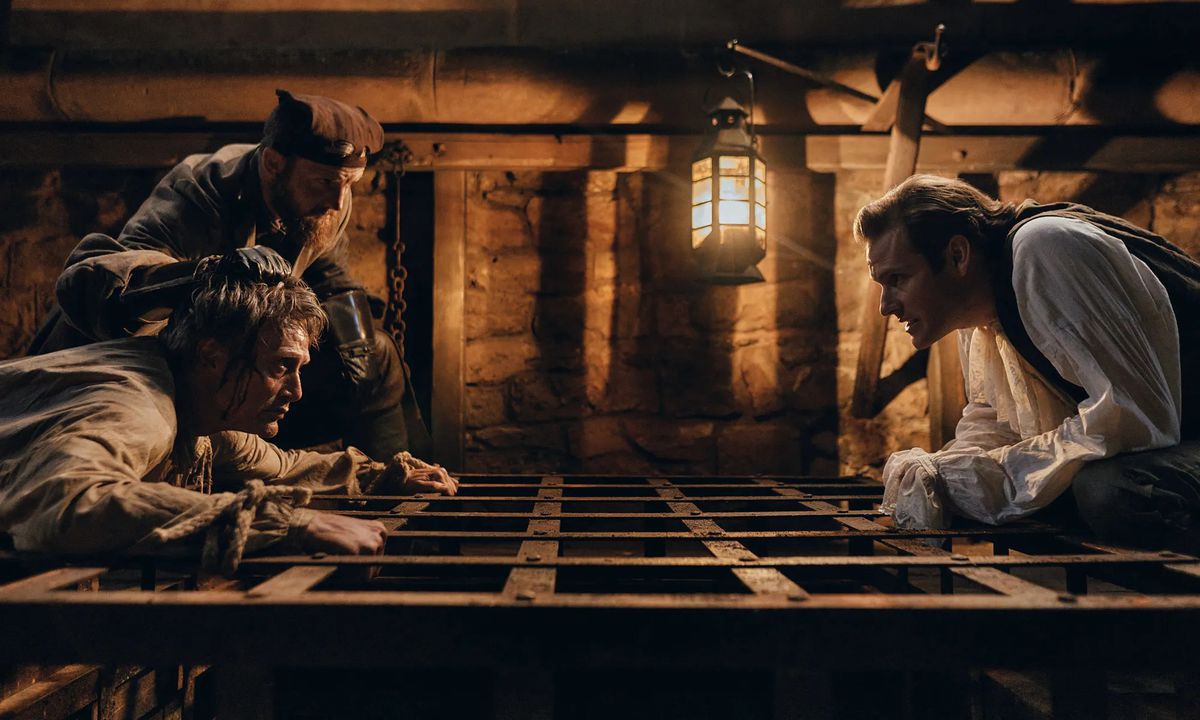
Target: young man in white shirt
1069 328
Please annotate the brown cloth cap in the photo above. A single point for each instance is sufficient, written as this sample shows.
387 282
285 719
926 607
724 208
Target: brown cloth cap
323 130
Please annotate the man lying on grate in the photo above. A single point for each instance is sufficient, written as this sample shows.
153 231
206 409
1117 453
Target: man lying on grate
1073 327
128 445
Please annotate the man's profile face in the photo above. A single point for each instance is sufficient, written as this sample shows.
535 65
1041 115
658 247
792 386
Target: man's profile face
254 399
306 190
922 300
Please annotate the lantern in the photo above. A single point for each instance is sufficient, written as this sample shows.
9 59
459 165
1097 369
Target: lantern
729 199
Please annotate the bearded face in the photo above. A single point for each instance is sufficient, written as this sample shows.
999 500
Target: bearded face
310 198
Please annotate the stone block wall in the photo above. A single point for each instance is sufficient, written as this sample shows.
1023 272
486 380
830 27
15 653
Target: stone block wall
591 347
42 216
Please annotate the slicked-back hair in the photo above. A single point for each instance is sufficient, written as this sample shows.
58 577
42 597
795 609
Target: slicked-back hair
233 311
931 210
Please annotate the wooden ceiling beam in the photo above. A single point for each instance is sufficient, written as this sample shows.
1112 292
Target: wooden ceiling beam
140 24
977 153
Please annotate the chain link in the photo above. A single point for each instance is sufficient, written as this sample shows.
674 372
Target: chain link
397 274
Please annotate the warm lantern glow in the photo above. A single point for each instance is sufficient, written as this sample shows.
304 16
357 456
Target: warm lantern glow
729 236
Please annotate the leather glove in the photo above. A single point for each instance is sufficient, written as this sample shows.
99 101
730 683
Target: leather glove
258 264
156 290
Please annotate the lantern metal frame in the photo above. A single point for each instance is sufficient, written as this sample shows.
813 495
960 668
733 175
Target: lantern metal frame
729 196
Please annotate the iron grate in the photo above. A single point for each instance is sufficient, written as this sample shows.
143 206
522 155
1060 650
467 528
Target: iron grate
771 568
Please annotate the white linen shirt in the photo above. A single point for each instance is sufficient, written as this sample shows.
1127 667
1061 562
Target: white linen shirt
1105 322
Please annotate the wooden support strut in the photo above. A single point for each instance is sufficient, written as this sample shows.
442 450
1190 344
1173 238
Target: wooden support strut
448 334
946 398
901 163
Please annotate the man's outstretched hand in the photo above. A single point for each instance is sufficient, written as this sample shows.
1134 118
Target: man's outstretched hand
406 475
341 535
429 479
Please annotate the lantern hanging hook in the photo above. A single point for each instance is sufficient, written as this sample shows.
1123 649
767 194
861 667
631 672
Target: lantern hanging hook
933 52
728 68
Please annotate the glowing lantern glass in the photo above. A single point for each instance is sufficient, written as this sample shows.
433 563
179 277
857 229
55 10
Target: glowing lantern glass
729 200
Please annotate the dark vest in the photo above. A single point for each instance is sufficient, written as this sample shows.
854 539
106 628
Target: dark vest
1178 273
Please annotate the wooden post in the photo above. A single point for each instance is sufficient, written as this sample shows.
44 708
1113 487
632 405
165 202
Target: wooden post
947 391
901 163
449 259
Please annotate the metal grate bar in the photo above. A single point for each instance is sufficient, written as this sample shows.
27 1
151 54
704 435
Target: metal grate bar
731 559
878 533
293 581
760 581
525 583
679 484
52 580
990 578
231 600
412 510
867 494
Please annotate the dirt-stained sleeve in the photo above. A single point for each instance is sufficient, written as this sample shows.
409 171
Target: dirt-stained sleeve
83 492
241 456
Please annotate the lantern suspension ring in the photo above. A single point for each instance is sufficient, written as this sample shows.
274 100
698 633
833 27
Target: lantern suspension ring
731 70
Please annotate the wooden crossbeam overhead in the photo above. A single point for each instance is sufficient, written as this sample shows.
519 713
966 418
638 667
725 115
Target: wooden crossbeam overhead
290 24
1046 149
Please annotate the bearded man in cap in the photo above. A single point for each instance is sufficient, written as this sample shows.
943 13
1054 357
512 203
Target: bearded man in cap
285 200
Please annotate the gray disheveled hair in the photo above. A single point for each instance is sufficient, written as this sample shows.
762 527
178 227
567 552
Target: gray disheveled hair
233 311
933 209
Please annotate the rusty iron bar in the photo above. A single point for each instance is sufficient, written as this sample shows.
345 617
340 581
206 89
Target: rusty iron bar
815 487
421 513
460 498
760 581
794 561
528 583
883 533
338 601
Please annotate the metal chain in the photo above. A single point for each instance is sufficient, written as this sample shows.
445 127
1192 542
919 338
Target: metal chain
397 274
